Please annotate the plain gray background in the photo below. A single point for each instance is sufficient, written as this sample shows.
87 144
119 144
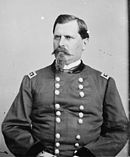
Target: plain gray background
26 43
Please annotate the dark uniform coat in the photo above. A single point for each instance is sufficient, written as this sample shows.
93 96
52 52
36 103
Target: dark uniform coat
61 112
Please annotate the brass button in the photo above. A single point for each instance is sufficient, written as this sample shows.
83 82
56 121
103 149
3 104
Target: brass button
57 85
58 113
57 144
80 79
57 106
57 135
75 151
57 92
81 107
80 121
57 78
78 137
76 144
80 86
57 151
81 94
81 115
58 120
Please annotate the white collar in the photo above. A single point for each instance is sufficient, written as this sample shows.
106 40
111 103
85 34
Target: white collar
74 64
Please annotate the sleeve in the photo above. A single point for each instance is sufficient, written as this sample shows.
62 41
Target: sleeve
16 126
113 135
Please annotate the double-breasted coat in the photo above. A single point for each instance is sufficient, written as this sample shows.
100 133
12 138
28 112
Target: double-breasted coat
61 112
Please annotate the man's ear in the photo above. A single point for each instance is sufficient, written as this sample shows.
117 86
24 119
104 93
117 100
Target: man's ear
85 41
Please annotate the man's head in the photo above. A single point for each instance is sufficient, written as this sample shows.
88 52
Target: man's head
65 18
70 38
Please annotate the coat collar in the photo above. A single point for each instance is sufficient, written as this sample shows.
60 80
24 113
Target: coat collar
76 69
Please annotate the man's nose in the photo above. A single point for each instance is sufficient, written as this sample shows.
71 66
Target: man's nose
62 41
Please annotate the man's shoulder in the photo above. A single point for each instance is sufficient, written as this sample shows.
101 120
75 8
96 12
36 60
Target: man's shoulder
40 72
96 73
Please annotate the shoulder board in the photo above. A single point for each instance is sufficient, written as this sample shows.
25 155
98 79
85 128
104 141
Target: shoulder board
32 74
104 76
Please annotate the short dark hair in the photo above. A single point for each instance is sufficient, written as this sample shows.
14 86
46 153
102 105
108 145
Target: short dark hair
64 18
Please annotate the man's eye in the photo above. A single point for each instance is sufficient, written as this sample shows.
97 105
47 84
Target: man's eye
57 37
68 37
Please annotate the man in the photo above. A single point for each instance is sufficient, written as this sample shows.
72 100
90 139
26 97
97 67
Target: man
66 109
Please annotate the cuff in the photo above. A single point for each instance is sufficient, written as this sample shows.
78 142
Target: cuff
35 149
84 152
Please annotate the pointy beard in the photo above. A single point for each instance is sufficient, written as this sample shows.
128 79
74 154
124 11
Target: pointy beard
60 53
60 61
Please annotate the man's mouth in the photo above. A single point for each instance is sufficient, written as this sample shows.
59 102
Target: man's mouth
60 54
61 49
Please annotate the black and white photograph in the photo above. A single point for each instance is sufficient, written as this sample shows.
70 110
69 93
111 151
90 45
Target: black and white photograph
64 78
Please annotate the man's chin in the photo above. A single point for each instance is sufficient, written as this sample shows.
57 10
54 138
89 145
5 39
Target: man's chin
60 61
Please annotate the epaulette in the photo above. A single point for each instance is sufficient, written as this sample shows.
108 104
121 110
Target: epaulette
104 76
32 74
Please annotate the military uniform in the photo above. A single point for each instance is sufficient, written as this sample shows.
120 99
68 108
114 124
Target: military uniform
64 112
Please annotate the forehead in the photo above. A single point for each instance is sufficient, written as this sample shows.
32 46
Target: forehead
67 28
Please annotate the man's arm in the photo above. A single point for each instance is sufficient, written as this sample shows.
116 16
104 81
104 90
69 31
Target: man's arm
16 126
114 129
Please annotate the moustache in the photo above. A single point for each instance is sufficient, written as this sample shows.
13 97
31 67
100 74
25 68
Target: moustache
61 49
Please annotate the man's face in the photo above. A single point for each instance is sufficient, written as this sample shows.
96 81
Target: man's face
67 36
